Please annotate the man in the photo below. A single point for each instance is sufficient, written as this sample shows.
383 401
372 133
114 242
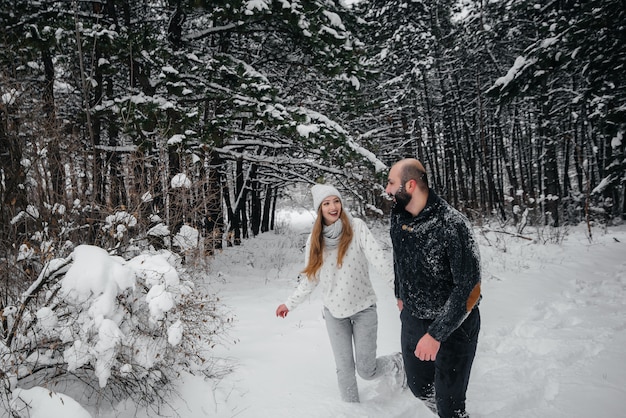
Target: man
437 284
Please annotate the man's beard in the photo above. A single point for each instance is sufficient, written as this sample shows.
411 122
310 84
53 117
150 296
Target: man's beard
402 199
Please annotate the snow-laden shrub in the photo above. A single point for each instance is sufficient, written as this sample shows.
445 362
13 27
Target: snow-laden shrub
41 402
119 327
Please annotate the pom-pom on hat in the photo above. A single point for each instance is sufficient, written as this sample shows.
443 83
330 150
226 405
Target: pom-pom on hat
321 192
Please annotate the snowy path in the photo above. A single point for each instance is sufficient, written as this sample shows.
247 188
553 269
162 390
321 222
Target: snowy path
552 344
285 366
554 332
553 339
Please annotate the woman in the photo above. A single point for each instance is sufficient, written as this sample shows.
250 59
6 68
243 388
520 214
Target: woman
337 254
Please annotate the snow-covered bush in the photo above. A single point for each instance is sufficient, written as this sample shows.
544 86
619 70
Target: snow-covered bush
118 327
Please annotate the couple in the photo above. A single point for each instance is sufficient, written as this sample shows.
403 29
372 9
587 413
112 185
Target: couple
436 282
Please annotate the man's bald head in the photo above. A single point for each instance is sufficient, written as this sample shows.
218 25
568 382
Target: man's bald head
413 169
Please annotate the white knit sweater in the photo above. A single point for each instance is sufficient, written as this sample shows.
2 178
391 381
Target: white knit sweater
348 289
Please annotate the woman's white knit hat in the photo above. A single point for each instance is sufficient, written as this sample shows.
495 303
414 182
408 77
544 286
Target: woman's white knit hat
321 192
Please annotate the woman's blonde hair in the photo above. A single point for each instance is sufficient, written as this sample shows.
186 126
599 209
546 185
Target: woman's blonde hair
316 253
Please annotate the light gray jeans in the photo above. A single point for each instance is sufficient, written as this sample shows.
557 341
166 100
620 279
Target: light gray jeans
362 328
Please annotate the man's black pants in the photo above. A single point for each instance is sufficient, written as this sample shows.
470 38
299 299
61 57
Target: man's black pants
443 382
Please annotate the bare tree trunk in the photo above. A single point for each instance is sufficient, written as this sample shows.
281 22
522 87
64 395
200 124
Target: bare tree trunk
213 194
56 190
430 159
97 196
255 207
552 188
13 193
267 206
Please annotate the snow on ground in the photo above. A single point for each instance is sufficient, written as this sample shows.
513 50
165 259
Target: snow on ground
552 344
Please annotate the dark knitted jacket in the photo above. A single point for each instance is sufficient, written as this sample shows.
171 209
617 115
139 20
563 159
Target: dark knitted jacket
437 265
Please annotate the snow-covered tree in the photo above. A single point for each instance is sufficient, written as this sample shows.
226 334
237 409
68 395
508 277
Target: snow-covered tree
119 98
569 67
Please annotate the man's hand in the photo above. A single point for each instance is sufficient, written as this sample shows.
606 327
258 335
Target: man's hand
400 305
427 348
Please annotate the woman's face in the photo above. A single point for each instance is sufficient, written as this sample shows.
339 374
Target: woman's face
331 209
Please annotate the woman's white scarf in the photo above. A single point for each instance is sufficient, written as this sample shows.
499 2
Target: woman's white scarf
332 233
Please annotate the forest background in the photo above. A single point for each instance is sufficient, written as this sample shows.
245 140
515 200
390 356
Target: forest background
125 125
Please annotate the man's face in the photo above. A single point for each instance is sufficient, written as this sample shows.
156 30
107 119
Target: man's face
395 188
